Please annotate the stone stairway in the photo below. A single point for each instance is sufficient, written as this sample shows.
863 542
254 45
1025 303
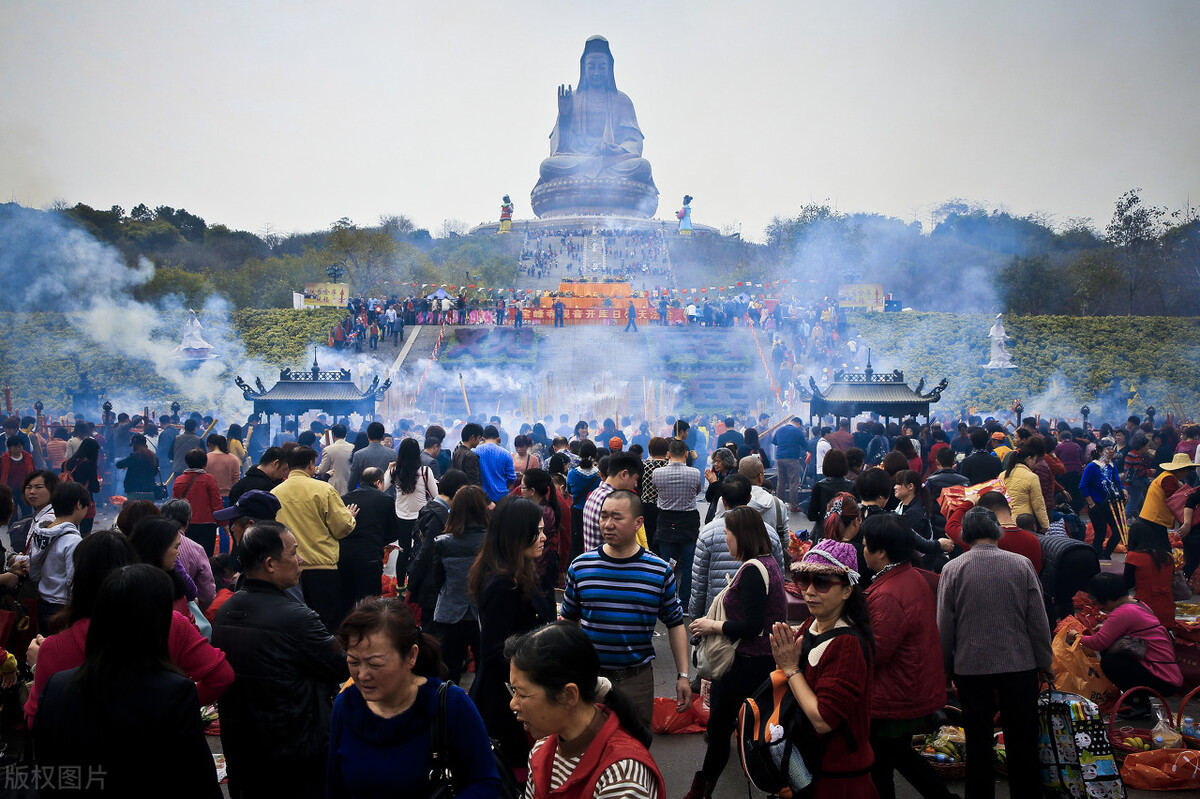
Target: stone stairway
590 371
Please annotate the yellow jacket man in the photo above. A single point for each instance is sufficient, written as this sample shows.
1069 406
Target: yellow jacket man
318 518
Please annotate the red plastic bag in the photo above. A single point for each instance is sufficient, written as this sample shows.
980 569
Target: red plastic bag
1162 770
668 721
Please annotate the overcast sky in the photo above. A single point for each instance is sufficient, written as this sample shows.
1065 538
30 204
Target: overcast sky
286 116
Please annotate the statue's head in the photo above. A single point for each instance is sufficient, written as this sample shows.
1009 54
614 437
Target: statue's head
596 66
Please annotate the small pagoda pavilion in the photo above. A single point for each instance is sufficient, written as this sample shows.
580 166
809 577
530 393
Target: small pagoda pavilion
296 393
882 393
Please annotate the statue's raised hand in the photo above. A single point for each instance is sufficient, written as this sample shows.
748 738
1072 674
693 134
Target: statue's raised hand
564 100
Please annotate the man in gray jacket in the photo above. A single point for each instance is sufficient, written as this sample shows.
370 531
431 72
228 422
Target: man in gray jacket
336 458
374 454
769 506
713 567
184 443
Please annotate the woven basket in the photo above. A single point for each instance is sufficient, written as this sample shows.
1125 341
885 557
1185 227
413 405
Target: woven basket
1117 734
1192 741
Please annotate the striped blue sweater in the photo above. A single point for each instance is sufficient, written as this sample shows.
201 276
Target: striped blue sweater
618 601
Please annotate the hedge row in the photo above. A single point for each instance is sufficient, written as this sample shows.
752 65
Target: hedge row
46 353
1115 365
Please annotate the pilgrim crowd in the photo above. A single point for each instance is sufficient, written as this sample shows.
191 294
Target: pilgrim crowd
377 612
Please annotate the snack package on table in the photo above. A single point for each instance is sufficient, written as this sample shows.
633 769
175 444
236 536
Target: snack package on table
1165 734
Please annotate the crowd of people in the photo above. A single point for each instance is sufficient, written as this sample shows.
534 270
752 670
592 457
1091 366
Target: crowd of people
255 571
592 253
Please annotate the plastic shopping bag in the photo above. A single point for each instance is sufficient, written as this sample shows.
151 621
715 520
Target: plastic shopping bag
1077 669
1162 770
668 721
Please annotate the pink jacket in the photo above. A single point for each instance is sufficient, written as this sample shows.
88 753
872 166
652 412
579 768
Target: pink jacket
189 650
1134 618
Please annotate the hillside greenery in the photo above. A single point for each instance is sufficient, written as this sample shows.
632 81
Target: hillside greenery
1115 365
47 364
1144 260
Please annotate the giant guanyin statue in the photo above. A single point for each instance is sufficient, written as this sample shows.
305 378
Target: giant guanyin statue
595 164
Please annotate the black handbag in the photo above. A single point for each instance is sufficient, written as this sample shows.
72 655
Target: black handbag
441 776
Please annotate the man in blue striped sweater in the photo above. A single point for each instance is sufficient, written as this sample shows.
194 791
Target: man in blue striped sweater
617 593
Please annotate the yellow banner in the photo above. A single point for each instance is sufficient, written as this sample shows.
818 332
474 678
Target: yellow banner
861 295
336 294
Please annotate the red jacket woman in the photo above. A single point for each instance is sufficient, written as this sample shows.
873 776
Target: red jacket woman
909 679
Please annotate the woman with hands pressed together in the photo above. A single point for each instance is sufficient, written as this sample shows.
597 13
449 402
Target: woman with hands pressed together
828 667
754 601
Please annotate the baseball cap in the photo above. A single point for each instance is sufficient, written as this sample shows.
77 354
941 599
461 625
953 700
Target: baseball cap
255 504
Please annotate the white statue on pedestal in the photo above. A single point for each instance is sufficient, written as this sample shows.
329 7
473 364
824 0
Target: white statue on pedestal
1001 357
193 346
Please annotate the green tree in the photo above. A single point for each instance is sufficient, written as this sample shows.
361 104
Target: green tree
191 288
1032 285
190 226
369 255
155 236
1134 233
1092 277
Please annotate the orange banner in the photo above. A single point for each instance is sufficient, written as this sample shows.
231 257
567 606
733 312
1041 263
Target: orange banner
595 289
594 302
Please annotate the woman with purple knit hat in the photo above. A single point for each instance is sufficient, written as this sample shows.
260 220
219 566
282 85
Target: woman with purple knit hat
828 667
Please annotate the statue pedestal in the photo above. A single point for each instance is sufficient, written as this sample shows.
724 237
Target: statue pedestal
593 197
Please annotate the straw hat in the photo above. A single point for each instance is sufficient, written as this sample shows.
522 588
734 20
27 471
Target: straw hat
1180 461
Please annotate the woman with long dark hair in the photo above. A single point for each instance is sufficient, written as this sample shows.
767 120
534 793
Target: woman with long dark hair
454 553
237 445
504 585
581 480
833 482
1023 488
156 542
909 682
1149 568
541 441
753 603
579 722
751 446
913 499
380 741
83 468
415 487
96 557
36 488
537 486
905 447
128 697
828 666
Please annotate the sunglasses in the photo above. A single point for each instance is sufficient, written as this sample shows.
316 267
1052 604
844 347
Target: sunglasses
821 582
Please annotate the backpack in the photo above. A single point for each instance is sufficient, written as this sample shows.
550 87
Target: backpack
780 750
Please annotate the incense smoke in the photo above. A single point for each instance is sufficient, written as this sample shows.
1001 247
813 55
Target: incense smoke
54 266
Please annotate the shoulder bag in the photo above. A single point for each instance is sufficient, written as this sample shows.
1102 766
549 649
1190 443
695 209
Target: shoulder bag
442 784
712 655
